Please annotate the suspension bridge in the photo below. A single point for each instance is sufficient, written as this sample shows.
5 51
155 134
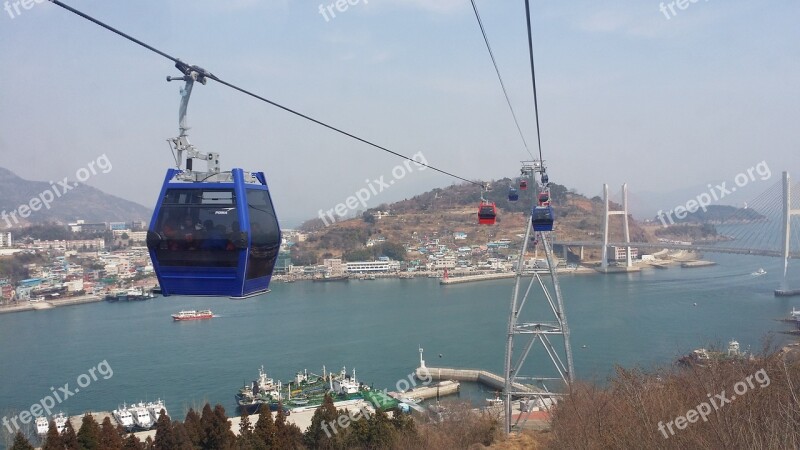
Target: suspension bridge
762 228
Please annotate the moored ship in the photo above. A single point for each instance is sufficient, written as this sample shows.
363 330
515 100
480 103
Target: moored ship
61 422
141 416
123 417
155 408
305 391
42 425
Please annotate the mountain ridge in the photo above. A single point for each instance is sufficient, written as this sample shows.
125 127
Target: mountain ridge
24 202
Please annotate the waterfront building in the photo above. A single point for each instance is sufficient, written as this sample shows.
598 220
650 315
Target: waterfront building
372 266
5 239
620 253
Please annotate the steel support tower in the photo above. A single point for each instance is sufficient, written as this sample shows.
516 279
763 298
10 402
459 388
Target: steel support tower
544 329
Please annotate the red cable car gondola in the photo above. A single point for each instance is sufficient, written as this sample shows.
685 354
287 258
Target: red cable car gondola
487 213
544 199
523 185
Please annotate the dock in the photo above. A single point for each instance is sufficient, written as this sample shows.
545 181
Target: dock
48 304
482 277
786 292
618 269
693 264
483 377
440 389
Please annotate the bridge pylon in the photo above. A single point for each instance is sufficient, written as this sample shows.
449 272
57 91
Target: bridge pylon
788 212
606 214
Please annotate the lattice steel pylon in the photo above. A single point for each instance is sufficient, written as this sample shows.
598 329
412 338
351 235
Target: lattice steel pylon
538 333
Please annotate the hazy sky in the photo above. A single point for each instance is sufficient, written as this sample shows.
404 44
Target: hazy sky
626 94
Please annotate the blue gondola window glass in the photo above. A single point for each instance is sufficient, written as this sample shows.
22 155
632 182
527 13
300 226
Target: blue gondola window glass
199 228
265 234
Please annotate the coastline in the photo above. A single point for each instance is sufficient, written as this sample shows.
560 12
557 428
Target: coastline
49 304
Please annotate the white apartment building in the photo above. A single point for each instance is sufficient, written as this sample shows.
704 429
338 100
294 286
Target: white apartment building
5 239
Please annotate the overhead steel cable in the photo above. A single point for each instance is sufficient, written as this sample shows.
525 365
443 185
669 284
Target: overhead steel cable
500 77
185 67
533 77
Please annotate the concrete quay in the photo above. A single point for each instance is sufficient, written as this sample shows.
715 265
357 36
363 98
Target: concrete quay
482 277
31 306
473 375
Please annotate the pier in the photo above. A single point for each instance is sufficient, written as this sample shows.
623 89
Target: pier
48 304
482 277
483 377
440 389
692 264
786 292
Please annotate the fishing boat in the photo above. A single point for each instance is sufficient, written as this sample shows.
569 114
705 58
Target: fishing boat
759 272
496 401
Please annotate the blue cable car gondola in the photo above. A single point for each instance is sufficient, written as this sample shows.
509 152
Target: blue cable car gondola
542 218
212 233
219 238
513 194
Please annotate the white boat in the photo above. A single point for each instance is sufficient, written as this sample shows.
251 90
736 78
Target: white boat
794 315
42 425
123 417
61 422
496 401
141 417
759 272
154 408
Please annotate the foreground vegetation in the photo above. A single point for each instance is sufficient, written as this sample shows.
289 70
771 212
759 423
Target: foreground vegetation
211 430
752 403
725 403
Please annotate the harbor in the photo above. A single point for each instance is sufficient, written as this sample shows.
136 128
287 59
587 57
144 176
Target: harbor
397 315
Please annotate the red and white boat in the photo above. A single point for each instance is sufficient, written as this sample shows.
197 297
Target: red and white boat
193 315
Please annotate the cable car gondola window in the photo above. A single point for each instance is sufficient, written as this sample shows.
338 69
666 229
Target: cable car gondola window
265 234
195 226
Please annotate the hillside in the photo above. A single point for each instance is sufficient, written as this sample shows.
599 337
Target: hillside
443 211
81 202
715 214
